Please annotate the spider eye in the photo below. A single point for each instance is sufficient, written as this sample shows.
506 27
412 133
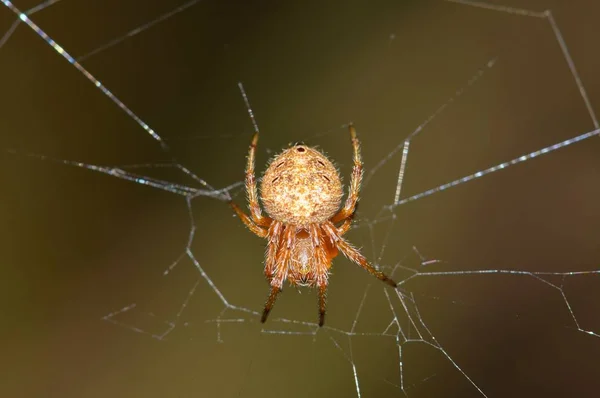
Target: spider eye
300 149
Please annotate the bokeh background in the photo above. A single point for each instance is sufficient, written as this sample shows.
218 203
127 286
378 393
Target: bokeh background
78 245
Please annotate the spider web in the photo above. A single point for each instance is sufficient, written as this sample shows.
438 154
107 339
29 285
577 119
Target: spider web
498 276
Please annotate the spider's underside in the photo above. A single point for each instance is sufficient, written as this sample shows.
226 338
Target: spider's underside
302 191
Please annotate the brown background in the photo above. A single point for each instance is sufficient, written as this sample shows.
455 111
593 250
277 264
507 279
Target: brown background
77 245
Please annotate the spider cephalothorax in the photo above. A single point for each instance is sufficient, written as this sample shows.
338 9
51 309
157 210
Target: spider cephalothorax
302 192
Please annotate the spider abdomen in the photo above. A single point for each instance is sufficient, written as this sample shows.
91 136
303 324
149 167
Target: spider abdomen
301 186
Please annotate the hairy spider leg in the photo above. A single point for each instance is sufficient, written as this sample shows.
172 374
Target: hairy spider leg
257 222
278 273
355 181
261 232
322 303
346 225
325 251
274 237
270 301
355 256
251 189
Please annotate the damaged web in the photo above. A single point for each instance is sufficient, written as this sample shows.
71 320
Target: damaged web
406 323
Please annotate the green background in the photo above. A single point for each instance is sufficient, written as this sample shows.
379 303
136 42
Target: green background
78 245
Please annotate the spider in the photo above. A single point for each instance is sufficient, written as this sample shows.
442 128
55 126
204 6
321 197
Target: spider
301 191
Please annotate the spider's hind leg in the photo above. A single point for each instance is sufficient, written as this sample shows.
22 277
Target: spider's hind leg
355 181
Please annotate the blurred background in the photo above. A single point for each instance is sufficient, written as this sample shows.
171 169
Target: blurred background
77 245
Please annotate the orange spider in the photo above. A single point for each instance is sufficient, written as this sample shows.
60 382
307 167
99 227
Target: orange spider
302 192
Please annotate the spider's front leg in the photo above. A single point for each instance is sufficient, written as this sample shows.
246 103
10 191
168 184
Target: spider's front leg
324 252
274 236
278 256
275 290
354 255
322 285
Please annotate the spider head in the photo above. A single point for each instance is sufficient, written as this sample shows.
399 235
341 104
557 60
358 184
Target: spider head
301 186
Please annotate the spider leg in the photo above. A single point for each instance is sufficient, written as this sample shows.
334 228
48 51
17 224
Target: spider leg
270 301
345 227
347 224
251 189
277 271
355 181
354 255
274 235
248 221
322 302
325 251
